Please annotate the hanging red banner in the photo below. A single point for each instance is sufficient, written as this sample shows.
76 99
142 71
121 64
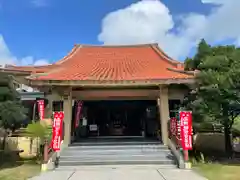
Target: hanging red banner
186 129
41 109
78 111
173 126
178 133
57 129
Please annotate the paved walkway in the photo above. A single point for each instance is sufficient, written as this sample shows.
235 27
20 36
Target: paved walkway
120 173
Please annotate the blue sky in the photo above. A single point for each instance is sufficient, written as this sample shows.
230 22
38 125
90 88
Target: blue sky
45 30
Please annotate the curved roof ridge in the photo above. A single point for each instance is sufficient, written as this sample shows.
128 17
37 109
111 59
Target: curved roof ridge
159 51
118 46
69 55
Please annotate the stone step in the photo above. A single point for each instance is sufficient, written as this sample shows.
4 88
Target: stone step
122 161
115 152
111 143
116 156
117 147
156 154
111 167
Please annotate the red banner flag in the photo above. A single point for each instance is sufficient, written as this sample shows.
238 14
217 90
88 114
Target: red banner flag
173 126
186 129
41 109
57 130
78 111
178 132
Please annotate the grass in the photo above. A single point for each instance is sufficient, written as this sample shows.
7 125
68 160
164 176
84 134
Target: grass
18 170
22 172
219 171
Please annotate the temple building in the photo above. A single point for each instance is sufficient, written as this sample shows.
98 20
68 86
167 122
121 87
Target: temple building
125 90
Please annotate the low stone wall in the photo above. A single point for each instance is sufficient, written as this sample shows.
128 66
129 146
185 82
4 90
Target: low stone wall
27 144
209 142
214 142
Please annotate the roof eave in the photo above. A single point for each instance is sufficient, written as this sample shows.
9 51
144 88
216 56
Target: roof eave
190 73
13 71
98 83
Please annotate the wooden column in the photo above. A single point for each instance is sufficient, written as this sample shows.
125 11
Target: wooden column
67 108
164 113
34 111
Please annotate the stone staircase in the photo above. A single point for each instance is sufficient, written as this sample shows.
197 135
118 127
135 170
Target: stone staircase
116 152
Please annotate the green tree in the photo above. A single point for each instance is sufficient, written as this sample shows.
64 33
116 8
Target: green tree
217 94
12 113
203 51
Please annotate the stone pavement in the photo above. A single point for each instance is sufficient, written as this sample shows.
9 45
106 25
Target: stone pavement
120 173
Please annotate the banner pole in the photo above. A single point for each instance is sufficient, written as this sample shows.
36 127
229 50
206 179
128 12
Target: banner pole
186 155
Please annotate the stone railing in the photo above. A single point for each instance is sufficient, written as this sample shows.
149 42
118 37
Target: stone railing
174 144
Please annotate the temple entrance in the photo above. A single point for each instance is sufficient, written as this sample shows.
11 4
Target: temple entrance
118 118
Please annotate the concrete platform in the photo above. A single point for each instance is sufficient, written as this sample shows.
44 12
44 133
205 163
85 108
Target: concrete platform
120 173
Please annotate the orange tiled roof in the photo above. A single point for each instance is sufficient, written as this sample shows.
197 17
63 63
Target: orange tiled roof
111 63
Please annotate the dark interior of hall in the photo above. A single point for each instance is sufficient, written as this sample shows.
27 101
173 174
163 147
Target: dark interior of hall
118 118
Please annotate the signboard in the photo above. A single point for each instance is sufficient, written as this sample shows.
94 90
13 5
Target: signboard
78 111
57 130
93 127
186 129
41 109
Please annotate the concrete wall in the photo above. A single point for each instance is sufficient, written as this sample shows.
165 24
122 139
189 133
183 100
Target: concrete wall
177 92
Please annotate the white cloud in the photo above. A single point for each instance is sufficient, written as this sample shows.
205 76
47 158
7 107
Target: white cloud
237 42
214 1
5 54
6 57
41 62
150 21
